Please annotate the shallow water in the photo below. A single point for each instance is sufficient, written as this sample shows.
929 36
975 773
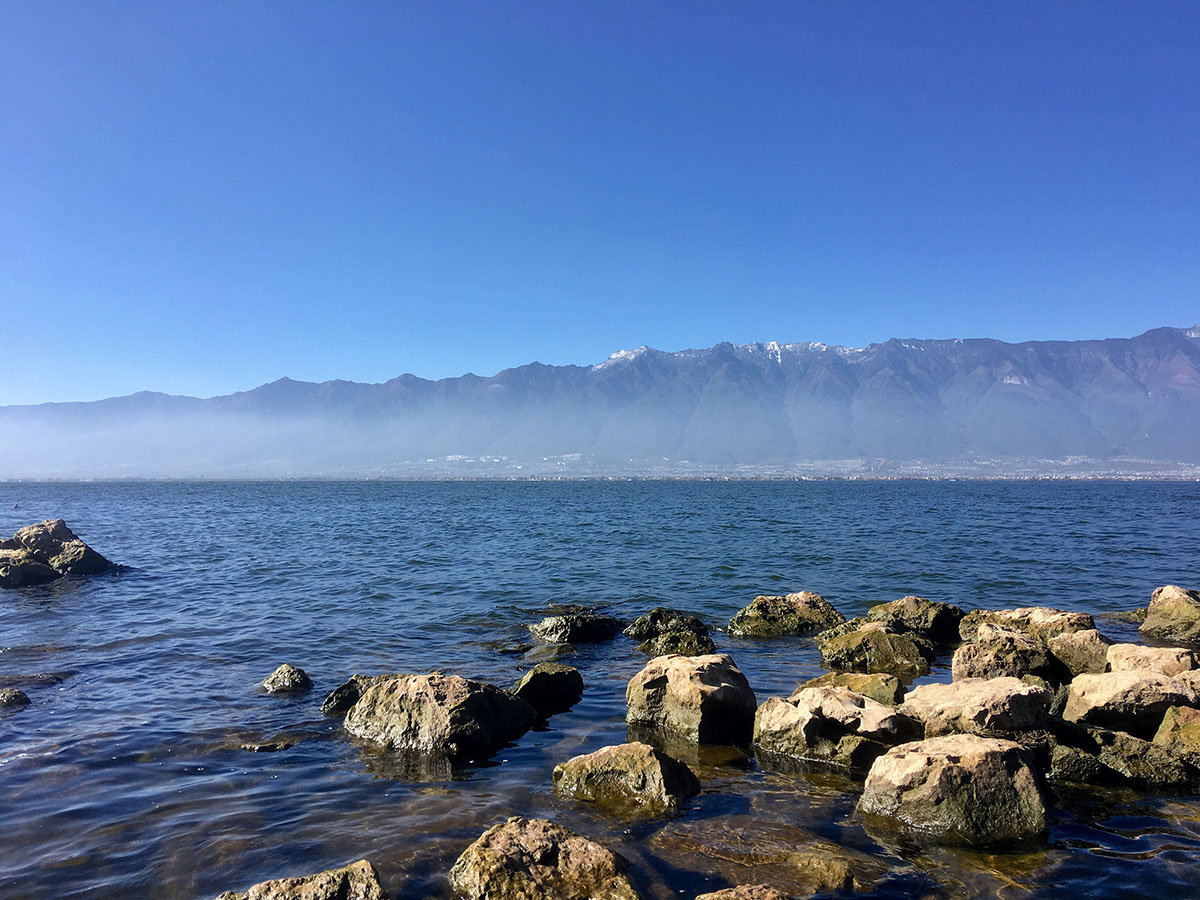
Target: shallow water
125 777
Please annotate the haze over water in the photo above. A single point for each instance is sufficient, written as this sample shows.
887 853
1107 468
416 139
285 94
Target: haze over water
125 778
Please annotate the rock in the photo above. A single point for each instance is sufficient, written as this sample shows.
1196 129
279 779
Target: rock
680 643
705 699
1001 651
873 648
791 614
826 868
338 701
1180 733
287 679
11 698
575 628
1125 701
934 621
1091 755
550 687
1136 658
357 881
878 685
745 892
267 746
1173 615
626 774
56 545
440 714
959 788
21 568
989 707
533 859
1038 622
661 620
1081 652
831 724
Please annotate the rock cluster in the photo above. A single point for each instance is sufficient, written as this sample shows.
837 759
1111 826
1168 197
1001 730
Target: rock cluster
44 552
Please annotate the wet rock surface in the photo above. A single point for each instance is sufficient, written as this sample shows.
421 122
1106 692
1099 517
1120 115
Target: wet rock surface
771 616
287 679
662 620
576 628
957 789
1173 615
1040 622
357 881
338 701
45 552
534 859
550 687
935 621
625 775
702 698
681 643
13 698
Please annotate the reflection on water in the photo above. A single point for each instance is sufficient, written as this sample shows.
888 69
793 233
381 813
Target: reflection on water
128 775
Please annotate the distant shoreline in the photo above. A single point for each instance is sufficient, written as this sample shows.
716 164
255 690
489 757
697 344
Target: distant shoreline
617 479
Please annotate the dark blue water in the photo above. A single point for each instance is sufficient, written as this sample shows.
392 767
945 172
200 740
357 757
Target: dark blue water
125 777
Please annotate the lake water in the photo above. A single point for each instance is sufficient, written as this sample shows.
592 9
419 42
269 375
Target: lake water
125 778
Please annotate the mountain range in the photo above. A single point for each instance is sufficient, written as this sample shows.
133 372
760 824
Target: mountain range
901 406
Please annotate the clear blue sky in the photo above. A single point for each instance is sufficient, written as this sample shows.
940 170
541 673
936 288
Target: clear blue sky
201 197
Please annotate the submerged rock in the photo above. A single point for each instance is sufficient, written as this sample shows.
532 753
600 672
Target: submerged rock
831 724
961 789
1081 652
441 714
705 699
1040 622
661 620
932 620
1136 658
874 648
533 859
877 685
1125 701
550 687
627 774
746 892
12 698
680 643
996 706
769 616
1000 651
1173 615
357 881
287 679
575 628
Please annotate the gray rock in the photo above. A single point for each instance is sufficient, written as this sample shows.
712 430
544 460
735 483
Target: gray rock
960 789
533 859
681 643
874 648
357 881
22 568
1173 615
1092 755
550 687
287 679
878 686
439 714
661 620
932 620
988 707
1081 652
705 699
11 698
575 628
625 775
999 651
799 613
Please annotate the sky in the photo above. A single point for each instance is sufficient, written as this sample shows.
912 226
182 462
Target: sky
200 197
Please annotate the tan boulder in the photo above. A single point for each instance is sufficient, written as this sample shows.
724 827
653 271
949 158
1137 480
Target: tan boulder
1081 652
357 881
994 706
705 699
1136 658
1040 622
1000 651
534 859
876 685
1173 615
1125 701
799 613
633 774
1180 733
746 892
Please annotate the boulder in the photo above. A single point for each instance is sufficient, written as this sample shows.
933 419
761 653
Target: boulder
633 774
877 685
705 699
1173 615
22 568
440 714
533 859
12 698
287 679
1000 651
1180 733
874 648
57 545
357 881
932 620
1081 652
961 789
680 643
831 724
338 701
1038 622
1136 658
1091 755
769 616
995 706
661 620
745 892
575 628
1125 701
550 687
